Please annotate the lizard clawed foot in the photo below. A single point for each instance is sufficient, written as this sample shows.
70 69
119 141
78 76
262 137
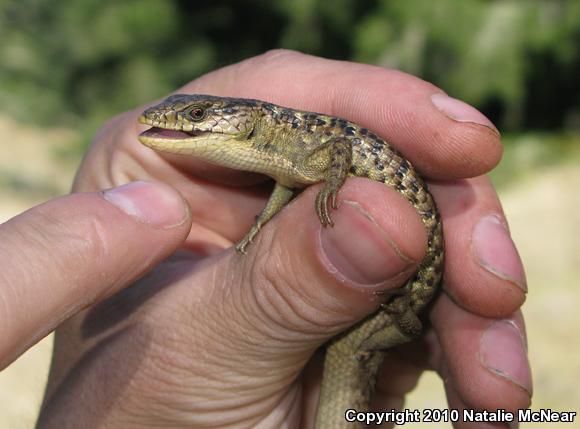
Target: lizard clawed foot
242 245
400 309
326 198
248 239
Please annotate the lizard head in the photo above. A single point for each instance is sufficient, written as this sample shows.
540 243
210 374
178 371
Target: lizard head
191 124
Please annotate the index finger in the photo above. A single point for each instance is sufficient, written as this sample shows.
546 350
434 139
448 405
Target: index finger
444 137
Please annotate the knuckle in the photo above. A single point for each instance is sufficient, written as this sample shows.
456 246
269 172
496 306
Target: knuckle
84 238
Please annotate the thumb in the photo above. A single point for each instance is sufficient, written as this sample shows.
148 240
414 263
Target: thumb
68 253
301 283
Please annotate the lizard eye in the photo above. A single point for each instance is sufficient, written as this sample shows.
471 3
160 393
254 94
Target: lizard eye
197 114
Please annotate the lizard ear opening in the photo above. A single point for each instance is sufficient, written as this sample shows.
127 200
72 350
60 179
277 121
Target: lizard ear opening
251 134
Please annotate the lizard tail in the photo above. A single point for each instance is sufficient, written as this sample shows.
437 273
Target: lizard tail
349 379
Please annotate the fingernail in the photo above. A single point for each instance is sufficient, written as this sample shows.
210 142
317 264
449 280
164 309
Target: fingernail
156 204
360 251
460 111
503 351
496 252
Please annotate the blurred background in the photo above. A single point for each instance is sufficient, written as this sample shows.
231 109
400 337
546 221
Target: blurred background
66 66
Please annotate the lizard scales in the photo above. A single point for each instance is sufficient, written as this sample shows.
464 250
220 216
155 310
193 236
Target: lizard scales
299 148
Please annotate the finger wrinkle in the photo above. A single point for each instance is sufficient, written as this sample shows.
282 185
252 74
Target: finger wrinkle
259 308
5 309
85 238
43 233
295 308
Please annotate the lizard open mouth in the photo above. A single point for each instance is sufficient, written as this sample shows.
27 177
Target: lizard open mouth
171 140
163 133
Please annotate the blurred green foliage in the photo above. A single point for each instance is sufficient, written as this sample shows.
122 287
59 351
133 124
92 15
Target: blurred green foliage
529 154
76 62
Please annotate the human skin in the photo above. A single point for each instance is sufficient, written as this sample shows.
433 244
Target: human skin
211 338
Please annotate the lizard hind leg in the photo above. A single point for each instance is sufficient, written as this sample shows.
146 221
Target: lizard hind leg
340 152
399 308
281 195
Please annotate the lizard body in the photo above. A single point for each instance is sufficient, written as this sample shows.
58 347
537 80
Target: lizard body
297 149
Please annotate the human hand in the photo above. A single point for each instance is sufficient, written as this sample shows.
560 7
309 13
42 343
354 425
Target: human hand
212 338
74 251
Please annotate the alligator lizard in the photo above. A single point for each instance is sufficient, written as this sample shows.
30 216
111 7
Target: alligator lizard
298 148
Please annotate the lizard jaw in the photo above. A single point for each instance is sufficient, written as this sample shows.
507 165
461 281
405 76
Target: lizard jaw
169 140
169 134
202 144
175 137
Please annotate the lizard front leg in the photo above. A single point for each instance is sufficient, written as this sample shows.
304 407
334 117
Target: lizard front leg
340 151
281 195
